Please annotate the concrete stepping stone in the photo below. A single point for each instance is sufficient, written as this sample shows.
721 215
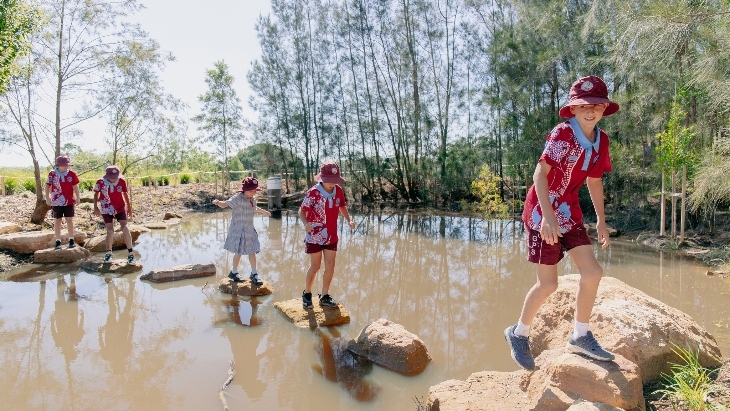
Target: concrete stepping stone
119 266
62 256
245 288
314 317
181 272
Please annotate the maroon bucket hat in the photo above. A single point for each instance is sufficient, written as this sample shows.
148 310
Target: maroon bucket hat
63 161
589 90
248 184
329 173
112 172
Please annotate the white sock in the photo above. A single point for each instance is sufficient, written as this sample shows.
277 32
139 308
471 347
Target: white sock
522 330
580 329
253 271
234 270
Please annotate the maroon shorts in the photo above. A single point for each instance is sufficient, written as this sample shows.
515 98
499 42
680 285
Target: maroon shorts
540 252
109 218
315 248
63 211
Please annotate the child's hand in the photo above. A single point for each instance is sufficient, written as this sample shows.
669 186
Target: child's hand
48 202
97 212
603 237
351 224
129 211
308 227
268 214
549 228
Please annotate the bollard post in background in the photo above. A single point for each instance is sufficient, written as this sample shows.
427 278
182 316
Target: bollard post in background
2 185
273 191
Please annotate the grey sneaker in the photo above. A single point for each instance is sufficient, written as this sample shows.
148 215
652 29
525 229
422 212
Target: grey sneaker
519 348
588 346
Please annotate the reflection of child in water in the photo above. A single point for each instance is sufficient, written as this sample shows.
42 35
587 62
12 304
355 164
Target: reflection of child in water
243 347
67 321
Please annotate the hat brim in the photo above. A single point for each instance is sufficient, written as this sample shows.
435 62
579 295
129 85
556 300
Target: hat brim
110 176
612 108
329 179
63 165
249 188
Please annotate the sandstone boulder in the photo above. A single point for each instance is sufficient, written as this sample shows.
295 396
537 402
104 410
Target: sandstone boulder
156 225
98 265
592 406
627 322
86 198
246 288
170 216
62 256
391 346
8 227
98 243
482 391
181 272
31 241
315 317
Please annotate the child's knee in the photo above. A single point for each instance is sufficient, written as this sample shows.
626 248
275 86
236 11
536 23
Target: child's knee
548 287
593 275
109 228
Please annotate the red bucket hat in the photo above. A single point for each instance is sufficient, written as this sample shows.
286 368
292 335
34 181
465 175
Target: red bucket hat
112 172
589 90
329 173
63 161
248 184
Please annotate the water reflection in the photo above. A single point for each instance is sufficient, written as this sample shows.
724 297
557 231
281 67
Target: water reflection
340 366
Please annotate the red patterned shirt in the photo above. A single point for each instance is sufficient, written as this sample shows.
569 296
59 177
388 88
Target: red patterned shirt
62 187
573 159
322 214
111 200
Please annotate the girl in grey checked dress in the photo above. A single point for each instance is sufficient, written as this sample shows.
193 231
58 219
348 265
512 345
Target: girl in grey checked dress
242 237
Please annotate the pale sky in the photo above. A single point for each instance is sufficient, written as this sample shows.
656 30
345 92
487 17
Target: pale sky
198 33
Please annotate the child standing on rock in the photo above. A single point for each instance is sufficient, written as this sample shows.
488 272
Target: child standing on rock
62 193
319 211
112 201
576 153
242 236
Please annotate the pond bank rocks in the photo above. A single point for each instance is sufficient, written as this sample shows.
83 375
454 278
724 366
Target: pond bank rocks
181 272
391 346
62 256
98 265
8 227
31 241
98 243
245 288
315 317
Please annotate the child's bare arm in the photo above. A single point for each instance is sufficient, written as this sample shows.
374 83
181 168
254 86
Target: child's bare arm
77 193
219 203
303 217
346 214
48 194
549 227
262 211
97 212
129 204
595 189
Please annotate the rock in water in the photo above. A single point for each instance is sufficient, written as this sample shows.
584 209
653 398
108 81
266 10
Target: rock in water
170 216
392 346
315 317
627 322
62 256
31 241
157 225
98 243
181 272
8 227
246 288
113 267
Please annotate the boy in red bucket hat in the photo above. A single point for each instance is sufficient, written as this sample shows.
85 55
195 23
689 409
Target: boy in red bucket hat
111 201
319 211
242 237
576 153
62 192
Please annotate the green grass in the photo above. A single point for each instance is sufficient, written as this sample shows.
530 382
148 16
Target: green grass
185 179
29 185
688 384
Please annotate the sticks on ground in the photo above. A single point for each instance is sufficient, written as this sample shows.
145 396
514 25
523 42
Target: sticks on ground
221 393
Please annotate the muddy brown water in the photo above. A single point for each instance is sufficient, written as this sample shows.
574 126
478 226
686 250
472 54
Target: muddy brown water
72 340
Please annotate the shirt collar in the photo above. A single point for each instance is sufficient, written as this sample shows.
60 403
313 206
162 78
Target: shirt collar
325 194
584 142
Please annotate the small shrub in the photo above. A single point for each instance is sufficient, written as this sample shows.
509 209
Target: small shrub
145 181
29 185
486 189
164 181
11 186
688 384
185 179
86 185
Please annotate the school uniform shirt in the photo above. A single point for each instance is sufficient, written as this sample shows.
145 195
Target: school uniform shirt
573 159
62 187
322 211
242 236
111 201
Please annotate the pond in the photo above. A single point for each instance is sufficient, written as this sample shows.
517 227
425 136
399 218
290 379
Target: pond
73 340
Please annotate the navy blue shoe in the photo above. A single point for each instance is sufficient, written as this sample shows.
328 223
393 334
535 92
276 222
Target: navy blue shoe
519 348
327 301
255 279
588 346
307 300
236 277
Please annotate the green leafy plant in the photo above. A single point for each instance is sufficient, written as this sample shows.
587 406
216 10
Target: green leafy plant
145 181
11 186
86 185
29 185
486 189
163 181
688 383
185 179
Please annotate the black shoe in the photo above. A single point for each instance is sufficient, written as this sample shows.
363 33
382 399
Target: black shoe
236 277
307 300
255 279
71 243
58 244
327 301
108 256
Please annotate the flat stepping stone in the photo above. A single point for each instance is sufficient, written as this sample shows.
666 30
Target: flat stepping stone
158 225
7 227
31 241
120 266
98 243
181 272
245 288
314 317
62 256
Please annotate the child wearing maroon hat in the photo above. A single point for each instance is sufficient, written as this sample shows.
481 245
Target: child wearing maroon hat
576 153
62 192
110 192
319 211
242 237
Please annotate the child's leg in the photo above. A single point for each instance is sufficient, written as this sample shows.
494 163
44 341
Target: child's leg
127 235
70 226
57 227
236 261
547 283
109 235
329 270
314 263
590 276
252 261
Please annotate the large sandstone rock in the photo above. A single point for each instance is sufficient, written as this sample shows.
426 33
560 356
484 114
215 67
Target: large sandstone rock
315 317
31 241
627 322
392 346
581 405
62 256
182 272
482 391
8 227
245 288
98 243
113 267
86 198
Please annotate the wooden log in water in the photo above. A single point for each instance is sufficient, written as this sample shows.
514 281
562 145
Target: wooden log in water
221 392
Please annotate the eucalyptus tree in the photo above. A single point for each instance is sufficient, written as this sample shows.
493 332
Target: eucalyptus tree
18 19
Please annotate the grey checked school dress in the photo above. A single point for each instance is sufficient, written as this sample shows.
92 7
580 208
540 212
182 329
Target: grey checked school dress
242 236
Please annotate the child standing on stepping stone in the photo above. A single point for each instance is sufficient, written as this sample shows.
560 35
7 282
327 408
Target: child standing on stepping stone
319 211
576 153
111 201
242 236
62 192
